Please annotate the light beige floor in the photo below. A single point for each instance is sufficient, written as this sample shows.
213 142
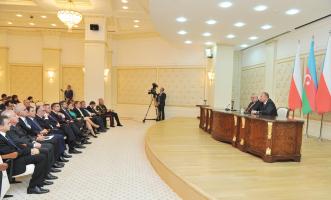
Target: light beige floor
226 173
114 167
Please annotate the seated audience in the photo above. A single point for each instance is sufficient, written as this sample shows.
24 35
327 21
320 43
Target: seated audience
102 109
267 107
23 156
14 99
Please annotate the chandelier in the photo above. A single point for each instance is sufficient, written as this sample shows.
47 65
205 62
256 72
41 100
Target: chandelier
69 17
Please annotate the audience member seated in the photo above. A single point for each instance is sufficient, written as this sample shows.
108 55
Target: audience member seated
95 118
253 105
77 115
102 109
23 156
267 107
14 99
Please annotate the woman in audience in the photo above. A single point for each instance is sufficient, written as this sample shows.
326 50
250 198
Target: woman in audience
87 121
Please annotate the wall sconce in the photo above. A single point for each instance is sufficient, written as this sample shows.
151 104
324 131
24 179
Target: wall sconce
209 52
105 74
83 69
211 76
51 75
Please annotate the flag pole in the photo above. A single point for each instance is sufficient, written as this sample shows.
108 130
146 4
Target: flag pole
321 128
307 126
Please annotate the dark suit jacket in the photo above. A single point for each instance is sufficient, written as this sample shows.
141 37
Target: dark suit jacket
78 114
268 109
253 106
19 162
102 109
18 135
66 114
58 118
35 126
28 130
161 99
92 110
68 94
86 112
44 123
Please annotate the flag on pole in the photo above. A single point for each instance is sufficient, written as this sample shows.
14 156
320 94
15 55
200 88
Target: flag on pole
310 83
295 95
323 96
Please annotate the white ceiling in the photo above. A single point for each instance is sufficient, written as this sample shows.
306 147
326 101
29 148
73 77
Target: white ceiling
165 12
119 20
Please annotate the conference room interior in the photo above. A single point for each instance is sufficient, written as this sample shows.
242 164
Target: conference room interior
247 94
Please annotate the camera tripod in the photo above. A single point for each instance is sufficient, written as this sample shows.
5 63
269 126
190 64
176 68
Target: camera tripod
149 107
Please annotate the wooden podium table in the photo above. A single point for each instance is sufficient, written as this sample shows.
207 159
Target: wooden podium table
271 138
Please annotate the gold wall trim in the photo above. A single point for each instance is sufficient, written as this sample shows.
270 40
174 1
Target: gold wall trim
72 66
302 56
53 49
25 64
253 66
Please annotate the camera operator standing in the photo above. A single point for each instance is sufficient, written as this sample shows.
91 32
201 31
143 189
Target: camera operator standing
161 97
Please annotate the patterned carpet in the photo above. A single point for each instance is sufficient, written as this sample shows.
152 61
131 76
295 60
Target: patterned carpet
113 167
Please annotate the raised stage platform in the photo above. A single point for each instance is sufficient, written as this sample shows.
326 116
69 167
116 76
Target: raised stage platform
196 166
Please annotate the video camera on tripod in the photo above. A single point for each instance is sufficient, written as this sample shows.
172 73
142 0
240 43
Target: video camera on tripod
153 94
153 90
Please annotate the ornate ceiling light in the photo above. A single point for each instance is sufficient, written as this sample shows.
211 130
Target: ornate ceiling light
69 17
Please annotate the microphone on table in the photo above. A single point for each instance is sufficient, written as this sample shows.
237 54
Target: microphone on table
227 108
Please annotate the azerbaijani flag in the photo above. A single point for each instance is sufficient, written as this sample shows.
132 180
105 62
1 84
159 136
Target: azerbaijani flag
310 83
323 96
295 95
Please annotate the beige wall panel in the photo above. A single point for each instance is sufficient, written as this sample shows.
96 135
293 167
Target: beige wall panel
26 81
73 76
252 81
183 86
133 84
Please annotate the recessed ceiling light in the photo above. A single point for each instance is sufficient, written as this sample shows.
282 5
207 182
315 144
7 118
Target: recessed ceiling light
43 16
125 1
32 24
125 7
19 15
10 23
188 42
244 45
206 34
181 19
182 32
253 38
239 24
225 4
266 27
136 21
136 26
76 26
209 43
260 8
53 25
292 11
211 21
230 36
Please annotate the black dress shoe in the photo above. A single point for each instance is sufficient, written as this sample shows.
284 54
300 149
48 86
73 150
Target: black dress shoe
59 163
74 151
50 177
62 159
65 155
86 142
112 126
7 196
55 165
37 190
80 146
119 125
47 182
54 170
107 128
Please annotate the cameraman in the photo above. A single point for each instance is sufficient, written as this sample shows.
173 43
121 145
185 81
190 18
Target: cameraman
161 97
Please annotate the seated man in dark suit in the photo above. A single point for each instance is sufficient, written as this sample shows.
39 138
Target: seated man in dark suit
267 107
102 109
19 136
95 118
23 156
253 105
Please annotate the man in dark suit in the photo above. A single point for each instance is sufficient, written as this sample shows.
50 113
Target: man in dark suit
23 156
161 97
102 109
58 120
267 107
19 136
95 118
68 93
253 105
